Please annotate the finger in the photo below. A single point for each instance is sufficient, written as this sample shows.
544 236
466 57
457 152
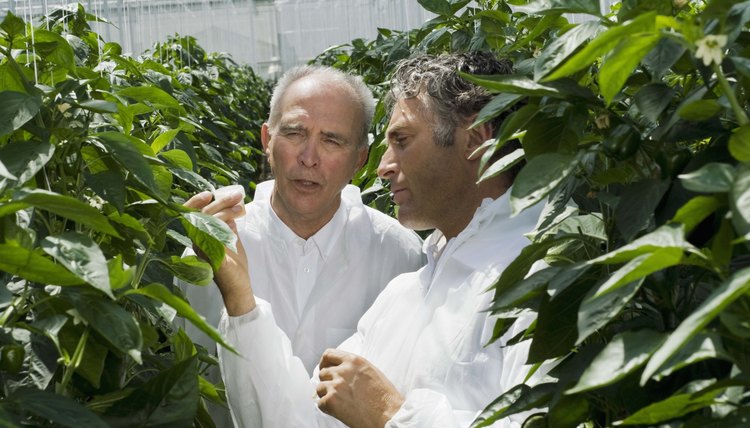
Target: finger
321 390
325 374
225 202
332 357
199 200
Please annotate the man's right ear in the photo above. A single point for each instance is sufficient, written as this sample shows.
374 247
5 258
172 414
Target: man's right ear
265 137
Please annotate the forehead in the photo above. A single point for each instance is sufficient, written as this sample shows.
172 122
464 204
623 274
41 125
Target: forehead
409 113
317 101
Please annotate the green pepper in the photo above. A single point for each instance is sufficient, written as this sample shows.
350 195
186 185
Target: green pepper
11 358
622 142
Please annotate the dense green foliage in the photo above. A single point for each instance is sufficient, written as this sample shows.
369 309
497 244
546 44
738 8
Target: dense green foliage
638 140
640 144
97 153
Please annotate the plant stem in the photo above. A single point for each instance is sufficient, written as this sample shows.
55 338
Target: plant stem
75 361
729 93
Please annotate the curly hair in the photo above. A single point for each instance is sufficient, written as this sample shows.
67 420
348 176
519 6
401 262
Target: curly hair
450 98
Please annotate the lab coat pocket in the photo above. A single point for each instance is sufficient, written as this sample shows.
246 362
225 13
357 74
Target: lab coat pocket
335 336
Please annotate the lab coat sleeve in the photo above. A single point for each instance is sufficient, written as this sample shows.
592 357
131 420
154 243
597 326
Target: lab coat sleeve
266 385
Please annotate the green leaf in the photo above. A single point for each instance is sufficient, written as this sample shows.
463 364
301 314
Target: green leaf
524 86
25 158
696 210
13 25
713 177
168 400
562 47
56 408
438 7
98 106
699 110
160 293
211 235
178 158
495 410
16 109
543 7
702 347
555 332
739 143
64 206
667 236
191 269
739 201
638 202
9 79
115 325
164 139
673 407
497 105
54 48
640 267
732 289
153 95
82 256
595 313
652 99
624 354
501 165
128 151
539 177
603 44
34 267
620 63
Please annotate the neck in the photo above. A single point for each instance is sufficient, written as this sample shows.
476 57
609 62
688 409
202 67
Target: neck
493 188
302 226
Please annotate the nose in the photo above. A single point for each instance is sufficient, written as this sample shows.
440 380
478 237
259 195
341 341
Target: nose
388 165
309 156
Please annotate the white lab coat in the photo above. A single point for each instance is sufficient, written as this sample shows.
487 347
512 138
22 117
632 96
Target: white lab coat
426 332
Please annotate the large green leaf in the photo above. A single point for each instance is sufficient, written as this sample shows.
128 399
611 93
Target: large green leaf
539 177
17 108
556 332
115 325
699 110
25 158
54 48
82 256
34 267
638 202
624 354
56 408
714 177
667 236
501 165
702 347
525 86
169 399
739 201
62 205
604 43
130 152
696 210
496 410
677 405
162 294
595 313
438 7
562 47
190 269
640 267
210 234
13 25
620 63
737 285
153 95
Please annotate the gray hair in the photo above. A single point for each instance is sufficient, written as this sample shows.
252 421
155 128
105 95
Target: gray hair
436 82
355 84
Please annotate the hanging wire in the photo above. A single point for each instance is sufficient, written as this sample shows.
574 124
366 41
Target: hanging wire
30 25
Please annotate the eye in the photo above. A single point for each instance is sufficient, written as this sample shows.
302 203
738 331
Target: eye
332 142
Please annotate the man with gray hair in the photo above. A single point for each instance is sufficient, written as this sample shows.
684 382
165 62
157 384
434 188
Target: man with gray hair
420 356
318 255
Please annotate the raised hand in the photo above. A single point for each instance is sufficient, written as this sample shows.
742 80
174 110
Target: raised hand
232 278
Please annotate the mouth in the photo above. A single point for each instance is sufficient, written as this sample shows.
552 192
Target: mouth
306 184
397 195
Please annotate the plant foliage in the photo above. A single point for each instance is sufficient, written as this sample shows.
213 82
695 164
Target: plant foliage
98 151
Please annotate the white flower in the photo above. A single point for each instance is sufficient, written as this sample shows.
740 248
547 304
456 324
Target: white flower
711 49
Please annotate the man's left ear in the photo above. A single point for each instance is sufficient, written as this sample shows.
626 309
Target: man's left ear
477 136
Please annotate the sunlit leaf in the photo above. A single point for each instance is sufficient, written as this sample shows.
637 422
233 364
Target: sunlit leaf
713 177
210 234
35 267
620 63
82 256
699 110
739 201
539 177
739 143
16 109
696 210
